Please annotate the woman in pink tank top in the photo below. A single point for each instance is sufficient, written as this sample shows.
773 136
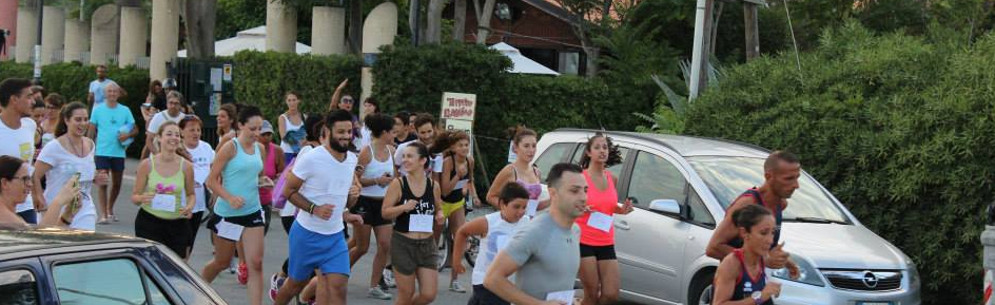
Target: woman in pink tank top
598 265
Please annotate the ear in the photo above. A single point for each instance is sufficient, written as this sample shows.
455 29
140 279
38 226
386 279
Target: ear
743 234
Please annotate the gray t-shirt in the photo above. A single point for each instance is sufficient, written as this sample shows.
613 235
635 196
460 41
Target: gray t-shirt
548 256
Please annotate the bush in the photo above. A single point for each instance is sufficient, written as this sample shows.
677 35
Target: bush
899 128
72 81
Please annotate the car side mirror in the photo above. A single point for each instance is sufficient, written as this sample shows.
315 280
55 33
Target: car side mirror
666 206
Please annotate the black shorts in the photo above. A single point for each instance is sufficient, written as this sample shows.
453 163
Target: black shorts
173 233
369 208
195 226
252 220
114 164
601 253
482 296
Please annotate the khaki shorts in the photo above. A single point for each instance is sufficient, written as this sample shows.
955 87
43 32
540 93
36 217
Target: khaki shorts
408 254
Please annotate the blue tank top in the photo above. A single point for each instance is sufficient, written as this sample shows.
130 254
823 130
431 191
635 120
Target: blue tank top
738 242
240 177
746 286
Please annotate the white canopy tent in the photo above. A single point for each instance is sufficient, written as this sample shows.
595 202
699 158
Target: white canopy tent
251 39
520 63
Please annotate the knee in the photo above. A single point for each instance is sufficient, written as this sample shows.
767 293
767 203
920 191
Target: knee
383 247
362 248
255 263
609 297
428 296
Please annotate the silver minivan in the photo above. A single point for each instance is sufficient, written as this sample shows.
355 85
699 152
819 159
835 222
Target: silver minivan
682 186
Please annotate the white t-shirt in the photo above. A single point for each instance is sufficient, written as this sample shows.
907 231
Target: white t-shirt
290 209
160 118
326 181
499 233
64 165
20 143
202 156
435 164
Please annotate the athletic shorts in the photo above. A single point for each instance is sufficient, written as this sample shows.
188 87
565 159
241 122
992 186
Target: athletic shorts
370 209
482 296
194 222
173 233
310 250
601 253
449 207
114 164
252 220
408 254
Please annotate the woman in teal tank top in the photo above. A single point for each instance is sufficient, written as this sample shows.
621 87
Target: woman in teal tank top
164 190
238 215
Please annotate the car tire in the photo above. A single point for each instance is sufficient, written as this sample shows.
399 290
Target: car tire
702 282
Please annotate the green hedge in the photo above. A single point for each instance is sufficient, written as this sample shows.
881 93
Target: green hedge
899 128
72 81
413 79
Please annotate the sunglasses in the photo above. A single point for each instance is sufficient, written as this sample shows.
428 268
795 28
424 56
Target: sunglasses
347 101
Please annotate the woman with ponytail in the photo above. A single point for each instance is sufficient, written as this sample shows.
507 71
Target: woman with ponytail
70 153
524 146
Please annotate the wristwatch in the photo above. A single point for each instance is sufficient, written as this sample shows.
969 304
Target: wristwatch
757 297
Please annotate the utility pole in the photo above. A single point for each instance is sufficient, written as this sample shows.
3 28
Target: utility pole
699 55
37 71
752 30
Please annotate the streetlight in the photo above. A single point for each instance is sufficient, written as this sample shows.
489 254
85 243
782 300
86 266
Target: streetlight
37 73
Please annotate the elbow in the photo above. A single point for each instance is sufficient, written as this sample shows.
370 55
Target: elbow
713 252
490 281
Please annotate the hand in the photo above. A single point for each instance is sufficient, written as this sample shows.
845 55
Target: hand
187 211
323 211
440 217
627 207
67 194
777 258
146 199
352 218
458 268
409 205
353 191
773 289
236 202
265 182
793 271
39 203
343 84
461 170
122 137
384 180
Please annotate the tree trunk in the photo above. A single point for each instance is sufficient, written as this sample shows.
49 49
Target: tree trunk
484 15
434 28
356 27
592 59
414 10
459 20
200 20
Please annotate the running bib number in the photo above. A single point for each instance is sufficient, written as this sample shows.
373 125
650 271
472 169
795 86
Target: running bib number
565 297
531 208
421 223
164 202
461 184
229 231
600 221
502 242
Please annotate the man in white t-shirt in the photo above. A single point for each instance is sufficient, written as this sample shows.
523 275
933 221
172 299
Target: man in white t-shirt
17 132
425 129
323 185
95 96
173 113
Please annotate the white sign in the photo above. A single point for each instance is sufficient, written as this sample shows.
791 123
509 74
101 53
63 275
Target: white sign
459 106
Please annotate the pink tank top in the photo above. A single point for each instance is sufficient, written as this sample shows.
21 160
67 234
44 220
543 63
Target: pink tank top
603 201
269 169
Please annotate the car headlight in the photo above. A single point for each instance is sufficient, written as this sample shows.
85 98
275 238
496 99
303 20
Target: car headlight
913 275
806 273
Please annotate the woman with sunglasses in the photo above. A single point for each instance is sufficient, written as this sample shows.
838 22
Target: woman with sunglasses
346 102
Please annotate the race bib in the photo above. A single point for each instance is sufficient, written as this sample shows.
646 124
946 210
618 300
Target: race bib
164 202
421 223
532 207
600 221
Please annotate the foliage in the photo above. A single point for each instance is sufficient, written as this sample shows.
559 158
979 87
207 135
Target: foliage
900 129
71 80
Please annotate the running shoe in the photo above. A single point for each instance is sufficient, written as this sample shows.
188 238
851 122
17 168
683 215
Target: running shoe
233 267
383 285
377 293
456 287
275 282
388 278
243 274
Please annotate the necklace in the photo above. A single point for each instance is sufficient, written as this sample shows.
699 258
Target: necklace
76 151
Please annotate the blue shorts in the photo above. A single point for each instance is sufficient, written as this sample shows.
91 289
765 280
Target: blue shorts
310 250
114 164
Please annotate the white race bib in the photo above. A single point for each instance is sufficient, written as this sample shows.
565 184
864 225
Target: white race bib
600 221
461 184
530 209
502 242
164 202
566 296
421 223
229 230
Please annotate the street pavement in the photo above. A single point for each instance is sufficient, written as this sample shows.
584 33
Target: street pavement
226 283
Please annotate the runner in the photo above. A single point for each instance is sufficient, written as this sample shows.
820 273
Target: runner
155 101
98 87
71 153
370 106
740 278
15 186
17 133
495 230
345 102
412 248
426 136
544 254
201 155
226 123
323 185
106 122
289 124
781 172
173 113
238 216
524 144
456 184
402 133
598 265
376 171
164 189
272 167
53 105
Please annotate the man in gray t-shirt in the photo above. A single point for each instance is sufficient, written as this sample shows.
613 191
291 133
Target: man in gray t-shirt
545 254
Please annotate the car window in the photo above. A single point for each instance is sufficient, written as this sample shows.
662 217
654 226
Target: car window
697 212
655 178
554 154
615 169
112 281
18 287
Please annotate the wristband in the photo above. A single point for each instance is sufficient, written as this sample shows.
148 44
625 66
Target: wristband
310 209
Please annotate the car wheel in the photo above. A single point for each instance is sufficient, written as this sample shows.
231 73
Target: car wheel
700 292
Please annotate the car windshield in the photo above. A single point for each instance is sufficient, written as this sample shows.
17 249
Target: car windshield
728 177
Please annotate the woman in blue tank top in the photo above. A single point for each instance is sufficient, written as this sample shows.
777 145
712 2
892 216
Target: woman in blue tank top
740 279
238 215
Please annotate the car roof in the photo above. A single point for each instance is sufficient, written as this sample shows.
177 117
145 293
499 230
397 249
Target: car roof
14 239
687 146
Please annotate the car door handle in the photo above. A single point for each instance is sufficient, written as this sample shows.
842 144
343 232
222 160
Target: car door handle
622 224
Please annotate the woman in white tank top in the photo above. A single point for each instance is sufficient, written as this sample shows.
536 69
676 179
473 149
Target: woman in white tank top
376 167
291 145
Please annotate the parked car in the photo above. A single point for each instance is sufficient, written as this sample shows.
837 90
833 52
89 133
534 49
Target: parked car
681 187
50 267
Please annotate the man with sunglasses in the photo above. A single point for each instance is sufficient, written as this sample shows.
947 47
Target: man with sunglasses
17 131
